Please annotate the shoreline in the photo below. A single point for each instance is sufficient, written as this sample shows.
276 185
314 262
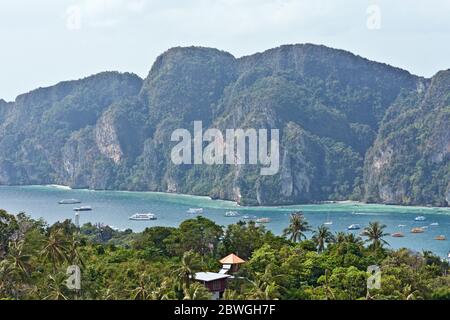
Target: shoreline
234 205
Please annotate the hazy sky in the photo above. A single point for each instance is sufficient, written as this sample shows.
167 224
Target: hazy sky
47 41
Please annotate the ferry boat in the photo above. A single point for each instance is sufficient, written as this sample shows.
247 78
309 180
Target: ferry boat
143 216
195 211
354 227
420 218
263 220
69 201
231 214
85 208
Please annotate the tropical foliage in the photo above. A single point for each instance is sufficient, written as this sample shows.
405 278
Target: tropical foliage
160 263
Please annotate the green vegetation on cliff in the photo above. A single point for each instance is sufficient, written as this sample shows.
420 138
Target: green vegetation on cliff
350 128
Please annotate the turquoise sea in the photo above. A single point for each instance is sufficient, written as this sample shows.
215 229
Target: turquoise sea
115 207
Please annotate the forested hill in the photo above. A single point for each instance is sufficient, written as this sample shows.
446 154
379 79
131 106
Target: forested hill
349 128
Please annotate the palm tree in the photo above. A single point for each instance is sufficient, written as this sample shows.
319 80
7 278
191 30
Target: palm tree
264 287
352 239
164 291
187 268
322 236
8 279
298 225
196 291
143 290
262 290
374 233
19 260
73 252
57 287
329 294
55 248
340 237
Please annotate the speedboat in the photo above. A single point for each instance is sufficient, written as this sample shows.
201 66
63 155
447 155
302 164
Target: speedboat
263 220
195 211
328 222
434 224
420 218
143 216
354 227
231 214
85 208
69 201
417 230
397 235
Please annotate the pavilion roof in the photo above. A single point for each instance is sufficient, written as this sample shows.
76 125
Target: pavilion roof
232 259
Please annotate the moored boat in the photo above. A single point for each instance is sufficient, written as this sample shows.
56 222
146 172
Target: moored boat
143 217
397 235
84 208
354 227
420 218
195 211
231 214
417 230
434 224
440 238
69 201
328 222
263 220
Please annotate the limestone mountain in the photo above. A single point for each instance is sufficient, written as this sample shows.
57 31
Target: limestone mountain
349 128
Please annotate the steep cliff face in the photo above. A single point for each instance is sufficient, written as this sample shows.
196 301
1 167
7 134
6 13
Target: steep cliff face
409 162
327 104
47 135
349 128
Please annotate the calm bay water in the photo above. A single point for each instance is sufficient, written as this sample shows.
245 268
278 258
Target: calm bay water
114 208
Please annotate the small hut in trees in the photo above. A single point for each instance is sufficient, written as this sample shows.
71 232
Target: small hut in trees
230 264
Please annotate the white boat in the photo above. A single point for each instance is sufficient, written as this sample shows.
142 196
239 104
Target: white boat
354 227
231 214
143 216
248 217
402 225
84 208
328 222
434 224
195 211
263 220
420 218
69 201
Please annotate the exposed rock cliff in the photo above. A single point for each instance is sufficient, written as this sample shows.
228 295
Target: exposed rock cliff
349 128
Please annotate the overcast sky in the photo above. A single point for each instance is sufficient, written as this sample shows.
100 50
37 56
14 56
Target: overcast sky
47 41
